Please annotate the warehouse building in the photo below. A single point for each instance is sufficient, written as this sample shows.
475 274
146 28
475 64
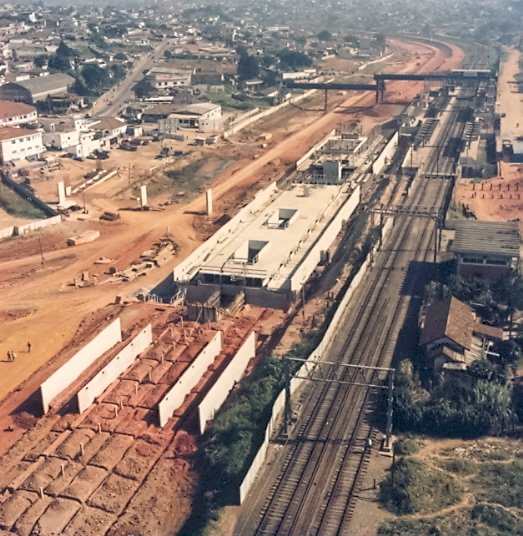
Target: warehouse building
36 89
14 114
485 248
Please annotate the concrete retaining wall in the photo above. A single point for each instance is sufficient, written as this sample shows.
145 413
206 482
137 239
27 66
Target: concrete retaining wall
185 271
72 369
259 459
6 232
386 155
36 224
187 381
264 113
221 389
120 362
303 162
296 383
323 243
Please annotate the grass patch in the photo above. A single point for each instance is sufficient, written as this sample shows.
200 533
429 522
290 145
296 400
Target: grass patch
228 102
481 520
17 206
458 466
413 488
407 445
501 483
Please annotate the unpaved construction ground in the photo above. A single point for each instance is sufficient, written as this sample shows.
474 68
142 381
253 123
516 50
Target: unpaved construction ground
57 308
112 469
42 306
496 199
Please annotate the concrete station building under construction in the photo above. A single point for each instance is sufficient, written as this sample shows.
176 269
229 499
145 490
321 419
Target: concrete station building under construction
267 252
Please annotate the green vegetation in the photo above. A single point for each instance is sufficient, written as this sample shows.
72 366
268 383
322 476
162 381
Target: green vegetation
493 492
412 487
248 66
501 483
228 102
406 445
324 35
17 206
453 408
291 59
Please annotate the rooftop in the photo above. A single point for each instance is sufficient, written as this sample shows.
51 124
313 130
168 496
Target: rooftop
11 133
12 109
271 243
198 108
487 237
41 84
107 123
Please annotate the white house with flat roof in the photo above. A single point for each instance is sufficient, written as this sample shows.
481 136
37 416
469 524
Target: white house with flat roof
19 143
203 116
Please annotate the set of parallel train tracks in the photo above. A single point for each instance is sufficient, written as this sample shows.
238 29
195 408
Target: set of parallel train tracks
313 484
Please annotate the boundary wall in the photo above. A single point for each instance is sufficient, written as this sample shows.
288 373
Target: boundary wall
316 354
37 224
245 122
184 272
386 154
189 378
76 365
300 164
7 232
120 362
304 270
221 389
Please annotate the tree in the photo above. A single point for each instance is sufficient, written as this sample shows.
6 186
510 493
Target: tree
248 67
324 35
291 59
65 50
59 63
143 89
41 61
120 56
95 77
380 41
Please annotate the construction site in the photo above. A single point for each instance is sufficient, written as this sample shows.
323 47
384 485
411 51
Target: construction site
104 417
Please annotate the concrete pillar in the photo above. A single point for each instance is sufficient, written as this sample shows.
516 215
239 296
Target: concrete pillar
61 193
208 199
143 195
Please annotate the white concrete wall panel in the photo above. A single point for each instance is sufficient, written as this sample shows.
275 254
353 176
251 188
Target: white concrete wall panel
6 232
296 383
37 224
309 263
221 389
188 380
302 163
72 369
385 155
120 362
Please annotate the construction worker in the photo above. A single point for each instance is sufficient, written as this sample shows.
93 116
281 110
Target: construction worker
13 356
29 345
9 355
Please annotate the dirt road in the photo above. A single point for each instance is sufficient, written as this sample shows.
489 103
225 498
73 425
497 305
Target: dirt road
56 309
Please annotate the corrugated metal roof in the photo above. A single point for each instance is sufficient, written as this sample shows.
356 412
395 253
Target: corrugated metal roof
487 237
42 84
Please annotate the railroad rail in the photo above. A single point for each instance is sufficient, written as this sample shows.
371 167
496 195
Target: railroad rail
313 484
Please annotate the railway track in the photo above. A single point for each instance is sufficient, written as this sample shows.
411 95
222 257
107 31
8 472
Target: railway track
316 477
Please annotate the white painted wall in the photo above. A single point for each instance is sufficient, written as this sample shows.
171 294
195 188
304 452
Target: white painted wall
309 263
72 369
37 224
21 147
385 155
221 389
188 380
120 362
6 232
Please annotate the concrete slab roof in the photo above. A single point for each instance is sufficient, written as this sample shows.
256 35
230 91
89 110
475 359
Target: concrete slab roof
487 237
273 241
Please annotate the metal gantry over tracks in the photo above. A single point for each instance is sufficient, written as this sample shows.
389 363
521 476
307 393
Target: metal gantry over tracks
345 374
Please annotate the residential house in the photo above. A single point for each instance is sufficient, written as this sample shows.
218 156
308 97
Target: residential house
452 337
19 143
109 127
14 114
204 116
163 76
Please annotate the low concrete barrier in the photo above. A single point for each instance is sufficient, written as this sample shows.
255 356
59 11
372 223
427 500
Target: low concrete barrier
120 362
323 346
36 224
187 381
7 232
221 389
74 367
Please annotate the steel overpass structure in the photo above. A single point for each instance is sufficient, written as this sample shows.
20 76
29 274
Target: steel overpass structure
456 76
